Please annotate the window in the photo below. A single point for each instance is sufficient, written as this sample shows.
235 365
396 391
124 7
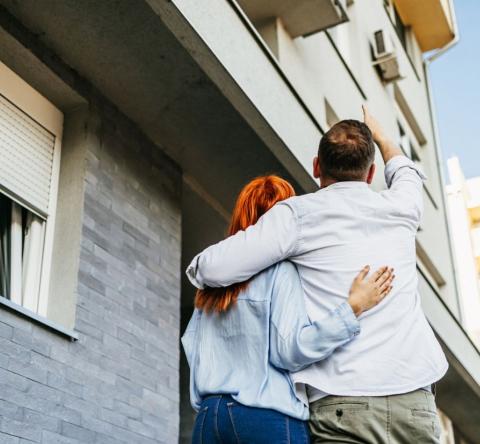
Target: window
30 136
403 140
401 29
22 235
414 154
407 145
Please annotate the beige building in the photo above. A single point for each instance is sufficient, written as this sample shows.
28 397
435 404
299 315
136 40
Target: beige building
464 212
126 130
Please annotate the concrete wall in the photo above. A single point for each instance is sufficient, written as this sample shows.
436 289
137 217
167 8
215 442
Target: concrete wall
119 381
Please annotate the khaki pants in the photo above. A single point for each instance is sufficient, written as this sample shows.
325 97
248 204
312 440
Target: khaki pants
410 418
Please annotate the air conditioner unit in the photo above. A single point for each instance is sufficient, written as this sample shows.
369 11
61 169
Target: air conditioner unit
383 44
385 57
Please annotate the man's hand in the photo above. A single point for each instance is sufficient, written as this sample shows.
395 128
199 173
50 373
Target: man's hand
386 146
373 125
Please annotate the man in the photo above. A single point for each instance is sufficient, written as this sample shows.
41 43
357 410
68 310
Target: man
377 388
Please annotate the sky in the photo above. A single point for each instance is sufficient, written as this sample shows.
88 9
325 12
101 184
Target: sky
455 79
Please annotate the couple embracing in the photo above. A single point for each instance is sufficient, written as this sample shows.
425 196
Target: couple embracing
291 324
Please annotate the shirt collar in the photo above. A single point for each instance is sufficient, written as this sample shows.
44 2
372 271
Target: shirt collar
348 185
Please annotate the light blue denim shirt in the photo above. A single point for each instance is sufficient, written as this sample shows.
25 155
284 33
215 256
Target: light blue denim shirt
249 351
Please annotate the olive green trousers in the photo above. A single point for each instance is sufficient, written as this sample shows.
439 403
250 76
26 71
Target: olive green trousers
409 418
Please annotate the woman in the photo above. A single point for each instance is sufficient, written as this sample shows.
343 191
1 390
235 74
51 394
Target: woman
243 340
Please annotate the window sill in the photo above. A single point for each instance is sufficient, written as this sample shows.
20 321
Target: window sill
40 320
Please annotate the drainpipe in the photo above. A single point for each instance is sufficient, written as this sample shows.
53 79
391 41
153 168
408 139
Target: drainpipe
436 138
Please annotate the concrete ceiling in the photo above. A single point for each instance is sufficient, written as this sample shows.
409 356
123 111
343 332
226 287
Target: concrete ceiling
123 49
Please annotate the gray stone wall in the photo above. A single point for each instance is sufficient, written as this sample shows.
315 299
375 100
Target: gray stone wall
119 382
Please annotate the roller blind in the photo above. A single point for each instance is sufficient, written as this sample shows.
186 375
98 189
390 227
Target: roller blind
26 157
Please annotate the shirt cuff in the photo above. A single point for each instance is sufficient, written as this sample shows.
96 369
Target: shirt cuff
346 314
193 274
397 162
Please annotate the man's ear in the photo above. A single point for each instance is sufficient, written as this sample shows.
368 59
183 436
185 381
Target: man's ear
371 173
316 167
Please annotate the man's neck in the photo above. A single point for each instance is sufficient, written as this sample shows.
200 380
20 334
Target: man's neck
326 182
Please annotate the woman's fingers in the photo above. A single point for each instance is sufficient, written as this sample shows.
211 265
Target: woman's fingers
389 289
384 277
363 273
386 285
378 274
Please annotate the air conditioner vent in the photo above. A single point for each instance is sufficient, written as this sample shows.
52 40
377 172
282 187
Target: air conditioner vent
385 57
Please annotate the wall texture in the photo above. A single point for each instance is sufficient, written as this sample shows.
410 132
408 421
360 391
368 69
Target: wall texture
119 382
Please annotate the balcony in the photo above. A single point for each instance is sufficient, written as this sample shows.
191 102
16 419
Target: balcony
431 21
300 17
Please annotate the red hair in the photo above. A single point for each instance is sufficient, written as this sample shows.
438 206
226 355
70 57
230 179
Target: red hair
255 199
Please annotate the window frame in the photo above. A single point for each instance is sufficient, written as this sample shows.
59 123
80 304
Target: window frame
31 102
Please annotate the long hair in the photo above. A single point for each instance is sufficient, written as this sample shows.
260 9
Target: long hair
255 199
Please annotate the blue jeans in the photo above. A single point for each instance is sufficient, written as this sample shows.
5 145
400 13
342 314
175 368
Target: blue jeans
222 420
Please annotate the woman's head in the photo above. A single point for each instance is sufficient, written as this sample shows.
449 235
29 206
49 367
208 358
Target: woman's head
255 199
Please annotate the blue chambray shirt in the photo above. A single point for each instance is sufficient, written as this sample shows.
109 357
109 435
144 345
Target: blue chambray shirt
249 351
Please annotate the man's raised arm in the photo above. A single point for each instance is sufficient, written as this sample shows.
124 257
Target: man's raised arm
404 179
239 257
387 148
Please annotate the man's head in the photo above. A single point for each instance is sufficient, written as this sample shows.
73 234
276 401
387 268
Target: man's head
346 153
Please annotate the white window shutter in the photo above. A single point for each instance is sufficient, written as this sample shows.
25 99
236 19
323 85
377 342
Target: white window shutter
26 158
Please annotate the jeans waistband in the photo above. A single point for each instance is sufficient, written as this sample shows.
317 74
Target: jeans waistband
217 396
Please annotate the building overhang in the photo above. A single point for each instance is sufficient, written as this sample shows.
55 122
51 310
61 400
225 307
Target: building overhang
130 57
301 17
430 20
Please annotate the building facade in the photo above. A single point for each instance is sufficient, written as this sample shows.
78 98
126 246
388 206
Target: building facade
126 130
463 197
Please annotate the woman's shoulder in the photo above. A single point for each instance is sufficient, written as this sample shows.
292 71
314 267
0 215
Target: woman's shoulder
264 281
286 268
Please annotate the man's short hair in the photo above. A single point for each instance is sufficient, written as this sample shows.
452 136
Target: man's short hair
346 151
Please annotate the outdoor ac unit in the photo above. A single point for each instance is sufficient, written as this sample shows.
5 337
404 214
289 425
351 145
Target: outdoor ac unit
385 57
383 44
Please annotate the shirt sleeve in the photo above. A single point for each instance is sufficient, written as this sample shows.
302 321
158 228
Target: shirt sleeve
239 257
405 188
295 341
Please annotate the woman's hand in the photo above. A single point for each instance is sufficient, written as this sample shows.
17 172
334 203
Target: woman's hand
366 293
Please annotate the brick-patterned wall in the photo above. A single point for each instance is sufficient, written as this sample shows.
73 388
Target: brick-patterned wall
119 382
